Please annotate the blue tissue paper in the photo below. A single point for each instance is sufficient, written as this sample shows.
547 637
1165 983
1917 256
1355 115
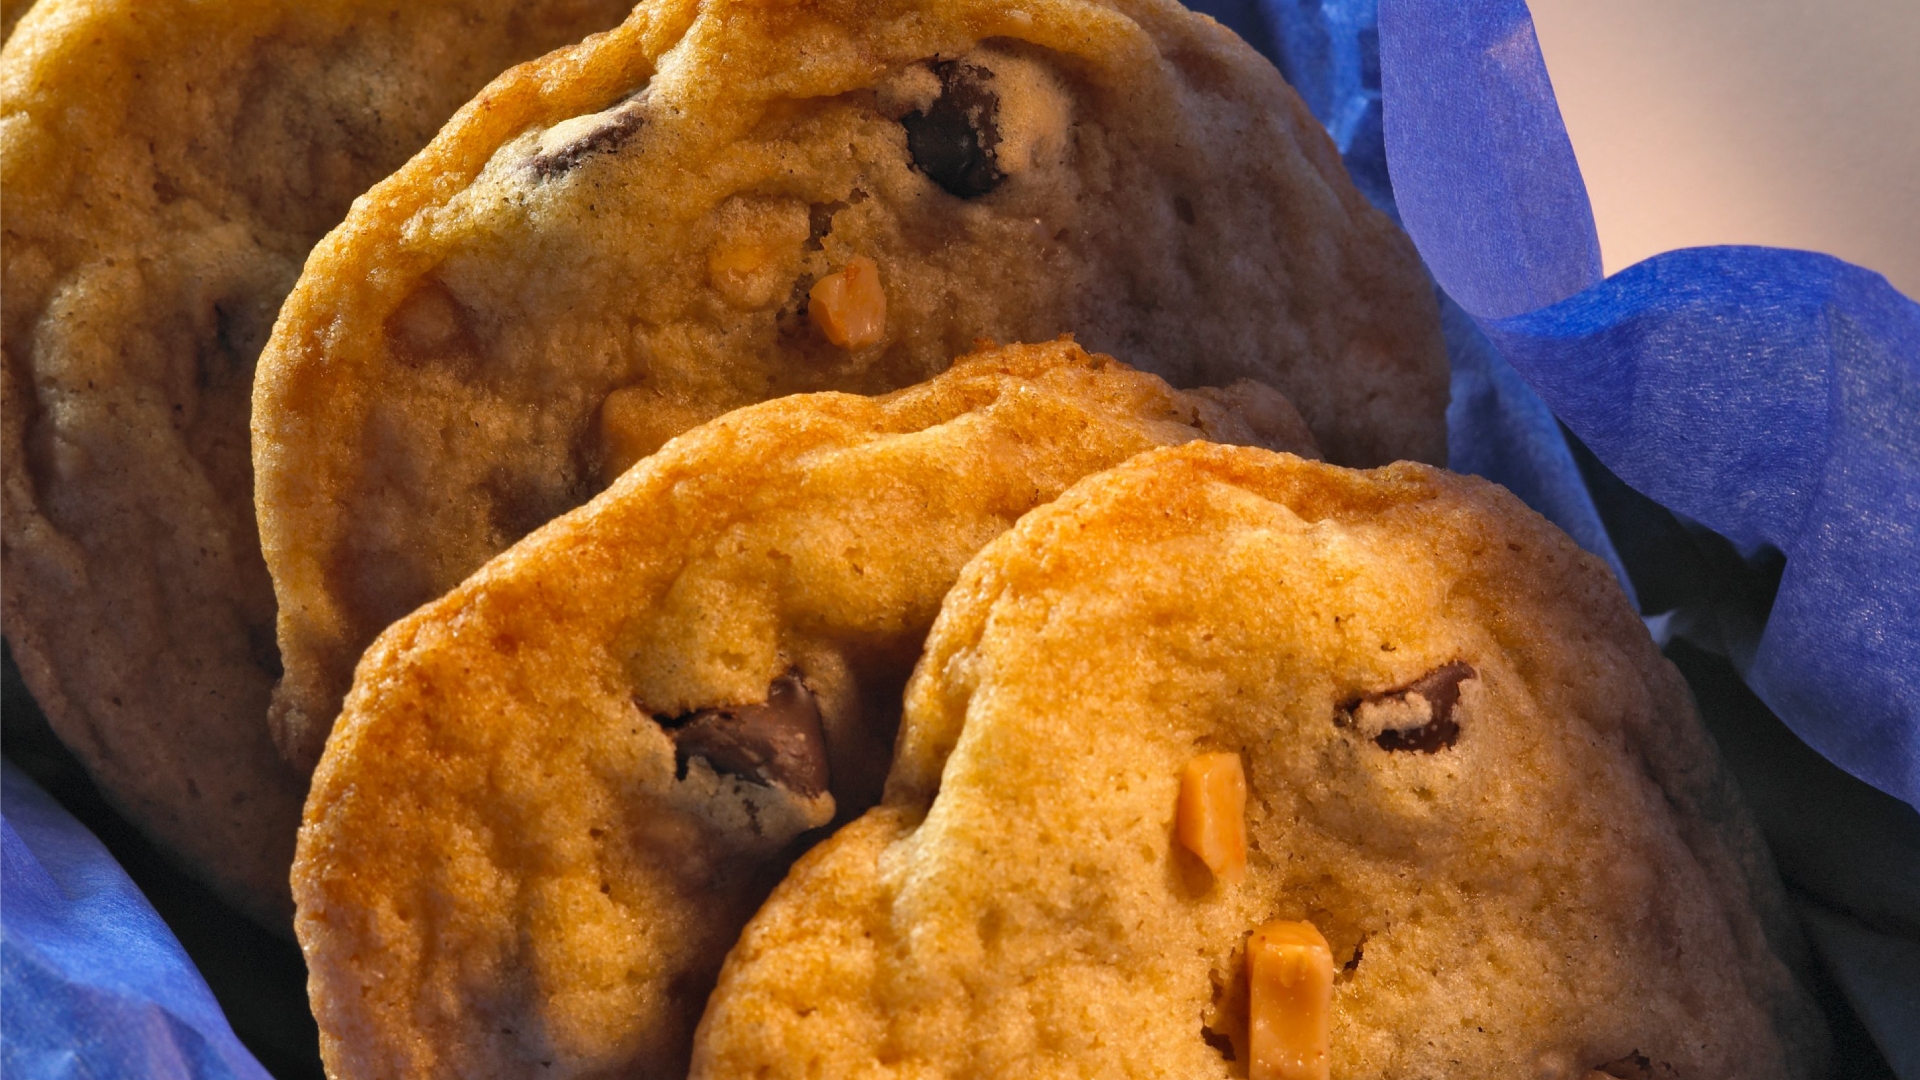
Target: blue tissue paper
1497 427
92 983
1772 396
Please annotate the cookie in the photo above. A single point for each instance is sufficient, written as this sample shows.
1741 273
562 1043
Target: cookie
1483 831
557 793
10 13
167 166
728 201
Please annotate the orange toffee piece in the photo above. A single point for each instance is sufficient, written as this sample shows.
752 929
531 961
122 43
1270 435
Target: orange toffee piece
1290 984
1211 820
850 307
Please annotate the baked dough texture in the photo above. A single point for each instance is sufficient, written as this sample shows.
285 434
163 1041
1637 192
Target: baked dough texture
1562 882
557 793
625 239
167 165
10 13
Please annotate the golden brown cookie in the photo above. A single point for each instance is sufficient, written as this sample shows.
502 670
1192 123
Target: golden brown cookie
557 793
167 166
727 201
10 13
1465 766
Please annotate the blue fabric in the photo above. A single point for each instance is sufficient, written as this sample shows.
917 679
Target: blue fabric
92 983
1773 396
1482 166
1497 427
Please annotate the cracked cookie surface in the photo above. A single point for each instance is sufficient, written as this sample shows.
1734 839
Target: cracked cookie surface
728 201
557 793
167 165
1465 763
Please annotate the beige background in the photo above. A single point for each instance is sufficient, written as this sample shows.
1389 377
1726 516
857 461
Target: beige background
1794 123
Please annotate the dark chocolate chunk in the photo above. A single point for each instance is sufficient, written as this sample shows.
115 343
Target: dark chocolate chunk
1441 689
617 126
954 140
779 742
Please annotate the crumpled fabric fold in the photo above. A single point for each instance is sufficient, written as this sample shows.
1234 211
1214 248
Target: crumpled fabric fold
1772 396
92 983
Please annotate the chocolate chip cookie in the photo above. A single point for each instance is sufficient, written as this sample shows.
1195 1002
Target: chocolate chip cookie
557 793
1247 766
167 166
727 201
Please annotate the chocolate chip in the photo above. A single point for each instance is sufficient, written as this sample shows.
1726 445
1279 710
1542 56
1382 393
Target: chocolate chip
954 140
1440 688
618 125
778 742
